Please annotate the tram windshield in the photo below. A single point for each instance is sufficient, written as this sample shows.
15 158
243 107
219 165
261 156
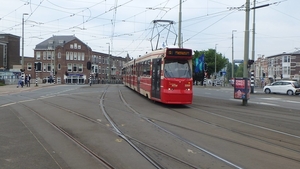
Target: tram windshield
177 69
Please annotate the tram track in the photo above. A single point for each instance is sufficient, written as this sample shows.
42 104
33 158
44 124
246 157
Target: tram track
71 137
151 152
133 142
184 140
130 140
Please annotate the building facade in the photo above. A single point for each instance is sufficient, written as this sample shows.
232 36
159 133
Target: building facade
66 59
9 51
277 67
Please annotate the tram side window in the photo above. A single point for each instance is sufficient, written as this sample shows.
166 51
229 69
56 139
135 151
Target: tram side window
177 69
146 68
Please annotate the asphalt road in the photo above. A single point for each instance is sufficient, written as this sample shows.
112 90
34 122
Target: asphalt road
258 97
111 126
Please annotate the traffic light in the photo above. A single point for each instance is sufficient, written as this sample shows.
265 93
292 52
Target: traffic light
89 65
264 75
66 73
221 73
205 66
250 62
281 76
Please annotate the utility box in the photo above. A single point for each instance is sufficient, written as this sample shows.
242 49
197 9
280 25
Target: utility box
242 88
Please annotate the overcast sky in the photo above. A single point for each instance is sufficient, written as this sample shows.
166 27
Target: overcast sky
127 24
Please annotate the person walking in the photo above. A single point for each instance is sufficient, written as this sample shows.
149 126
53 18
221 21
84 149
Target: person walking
28 80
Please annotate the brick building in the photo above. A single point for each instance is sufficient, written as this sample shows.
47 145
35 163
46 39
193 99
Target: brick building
9 51
64 59
277 67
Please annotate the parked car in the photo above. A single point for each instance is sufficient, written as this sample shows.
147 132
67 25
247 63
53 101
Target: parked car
283 87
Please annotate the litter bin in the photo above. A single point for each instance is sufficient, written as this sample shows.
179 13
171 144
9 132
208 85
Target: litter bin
242 88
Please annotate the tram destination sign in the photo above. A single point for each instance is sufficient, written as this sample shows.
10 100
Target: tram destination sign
179 52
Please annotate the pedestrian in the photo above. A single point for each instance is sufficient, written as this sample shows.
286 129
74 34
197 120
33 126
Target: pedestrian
28 80
20 82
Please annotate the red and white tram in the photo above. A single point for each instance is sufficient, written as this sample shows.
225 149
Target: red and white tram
163 75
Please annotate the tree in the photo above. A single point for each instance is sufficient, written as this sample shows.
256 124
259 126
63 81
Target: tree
240 70
209 58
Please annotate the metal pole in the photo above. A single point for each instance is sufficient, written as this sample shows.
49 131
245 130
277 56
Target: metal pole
232 68
109 66
179 24
23 67
253 49
216 59
246 45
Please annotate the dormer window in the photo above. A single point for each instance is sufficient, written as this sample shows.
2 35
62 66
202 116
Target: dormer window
71 46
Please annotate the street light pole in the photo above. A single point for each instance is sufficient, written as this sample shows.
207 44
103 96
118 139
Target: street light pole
232 68
23 67
109 66
216 60
23 41
179 24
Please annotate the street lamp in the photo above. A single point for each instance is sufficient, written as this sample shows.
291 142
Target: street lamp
179 24
109 68
216 60
232 68
23 41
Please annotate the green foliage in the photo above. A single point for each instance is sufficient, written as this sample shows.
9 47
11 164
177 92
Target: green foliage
209 58
240 70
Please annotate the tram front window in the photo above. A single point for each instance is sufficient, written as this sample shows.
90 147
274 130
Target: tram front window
177 69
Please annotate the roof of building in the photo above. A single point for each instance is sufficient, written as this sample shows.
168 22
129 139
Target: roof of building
284 53
54 41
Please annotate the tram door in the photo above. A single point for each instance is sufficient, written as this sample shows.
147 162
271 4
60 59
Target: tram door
155 81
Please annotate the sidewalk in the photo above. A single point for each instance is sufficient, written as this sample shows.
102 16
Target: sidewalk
11 89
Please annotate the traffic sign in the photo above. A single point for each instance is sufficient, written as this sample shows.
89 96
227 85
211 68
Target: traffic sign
238 61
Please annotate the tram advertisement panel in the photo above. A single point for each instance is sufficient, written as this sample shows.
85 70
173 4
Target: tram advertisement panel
241 88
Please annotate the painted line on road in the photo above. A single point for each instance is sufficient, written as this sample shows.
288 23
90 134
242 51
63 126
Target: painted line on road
257 126
8 104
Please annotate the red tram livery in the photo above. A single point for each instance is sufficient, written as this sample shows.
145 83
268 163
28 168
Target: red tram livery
163 75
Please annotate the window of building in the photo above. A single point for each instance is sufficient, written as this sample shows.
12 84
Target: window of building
29 66
44 67
79 56
82 56
286 59
79 46
69 67
75 55
58 80
74 67
67 56
75 45
286 70
71 55
38 55
48 67
71 46
59 55
99 59
49 55
80 67
59 66
44 55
